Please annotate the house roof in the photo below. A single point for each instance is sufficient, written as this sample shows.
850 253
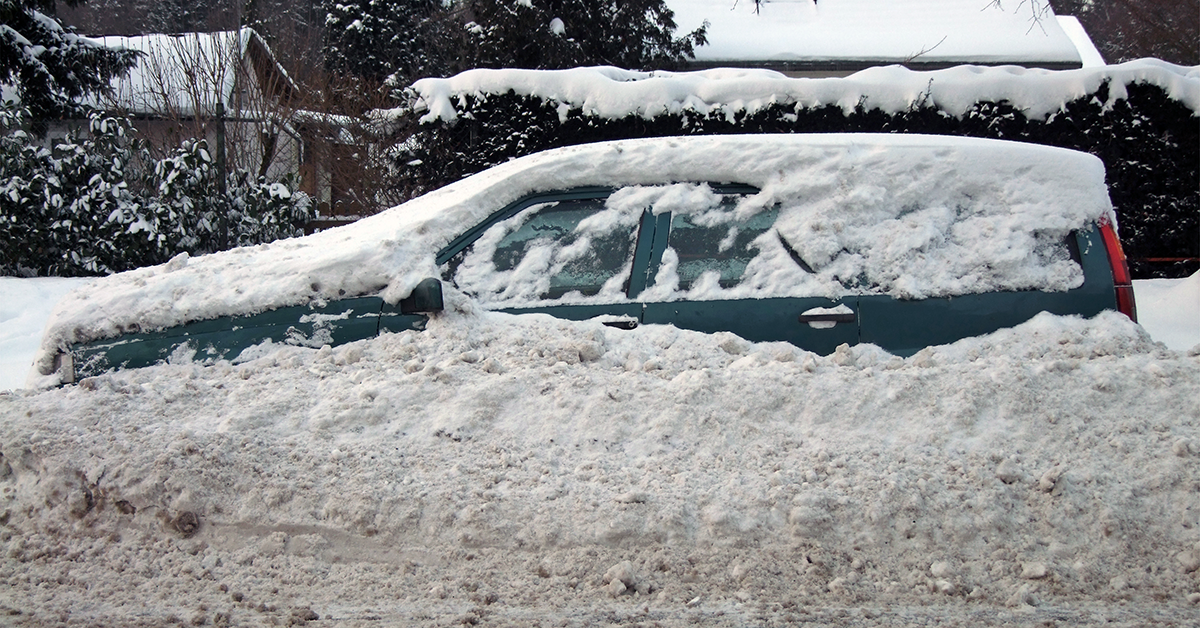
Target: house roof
854 34
183 74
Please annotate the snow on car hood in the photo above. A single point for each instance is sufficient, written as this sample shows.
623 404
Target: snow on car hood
1020 189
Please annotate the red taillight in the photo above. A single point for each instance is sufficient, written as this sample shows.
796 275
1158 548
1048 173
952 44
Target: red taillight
1120 270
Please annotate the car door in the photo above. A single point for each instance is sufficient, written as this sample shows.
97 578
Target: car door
563 254
702 262
905 326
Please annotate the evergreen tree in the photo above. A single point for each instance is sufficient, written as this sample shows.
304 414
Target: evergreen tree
554 34
409 39
100 203
374 38
49 66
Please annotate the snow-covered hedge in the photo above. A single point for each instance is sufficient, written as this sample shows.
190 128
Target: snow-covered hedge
100 204
1140 118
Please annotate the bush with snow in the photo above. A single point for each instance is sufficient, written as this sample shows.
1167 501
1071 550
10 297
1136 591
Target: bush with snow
97 203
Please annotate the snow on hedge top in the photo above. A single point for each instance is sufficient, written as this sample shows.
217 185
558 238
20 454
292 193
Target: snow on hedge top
889 31
852 183
614 93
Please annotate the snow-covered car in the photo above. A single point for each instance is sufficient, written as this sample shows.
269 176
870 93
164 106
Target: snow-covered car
903 241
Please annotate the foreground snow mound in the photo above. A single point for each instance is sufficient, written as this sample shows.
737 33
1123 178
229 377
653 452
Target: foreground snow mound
514 467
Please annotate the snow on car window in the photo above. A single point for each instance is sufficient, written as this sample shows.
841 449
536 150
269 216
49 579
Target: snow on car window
822 241
724 246
573 251
885 244
811 241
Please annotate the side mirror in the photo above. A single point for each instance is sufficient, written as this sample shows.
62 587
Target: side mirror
426 297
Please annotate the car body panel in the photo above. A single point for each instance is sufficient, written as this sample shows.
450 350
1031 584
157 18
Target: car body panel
759 320
611 312
334 323
905 326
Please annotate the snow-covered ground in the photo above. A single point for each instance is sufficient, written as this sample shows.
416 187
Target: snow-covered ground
513 471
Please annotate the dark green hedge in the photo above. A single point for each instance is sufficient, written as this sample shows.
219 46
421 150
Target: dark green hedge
1150 145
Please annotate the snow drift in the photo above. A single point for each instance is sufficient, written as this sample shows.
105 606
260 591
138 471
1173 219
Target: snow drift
510 470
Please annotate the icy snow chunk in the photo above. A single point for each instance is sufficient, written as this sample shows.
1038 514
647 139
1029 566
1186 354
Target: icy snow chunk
621 577
1034 570
279 190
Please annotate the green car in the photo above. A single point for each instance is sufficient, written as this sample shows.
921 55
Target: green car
899 241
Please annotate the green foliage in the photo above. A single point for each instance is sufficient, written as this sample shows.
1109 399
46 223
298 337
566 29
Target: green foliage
100 204
50 66
635 34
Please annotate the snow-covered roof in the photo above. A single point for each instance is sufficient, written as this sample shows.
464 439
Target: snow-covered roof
184 74
614 93
1089 55
867 180
851 34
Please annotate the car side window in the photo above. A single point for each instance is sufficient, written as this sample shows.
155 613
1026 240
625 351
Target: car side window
716 242
569 249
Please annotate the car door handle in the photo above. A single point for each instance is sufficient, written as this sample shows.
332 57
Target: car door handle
625 324
828 318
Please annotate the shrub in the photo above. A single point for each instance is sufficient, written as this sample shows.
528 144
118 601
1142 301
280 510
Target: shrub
100 204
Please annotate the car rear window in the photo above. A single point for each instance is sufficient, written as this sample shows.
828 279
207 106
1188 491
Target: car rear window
833 242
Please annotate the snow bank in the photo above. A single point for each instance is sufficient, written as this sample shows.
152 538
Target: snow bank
1010 192
521 470
613 93
1171 307
25 304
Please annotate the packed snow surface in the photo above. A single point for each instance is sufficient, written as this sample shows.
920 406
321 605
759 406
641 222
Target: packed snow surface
921 215
932 31
614 93
514 471
1171 309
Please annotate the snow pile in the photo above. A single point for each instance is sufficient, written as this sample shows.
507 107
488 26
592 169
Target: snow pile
513 470
1171 308
25 304
614 93
935 31
1019 190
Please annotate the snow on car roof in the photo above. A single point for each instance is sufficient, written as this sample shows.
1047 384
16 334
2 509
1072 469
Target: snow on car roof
1026 187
